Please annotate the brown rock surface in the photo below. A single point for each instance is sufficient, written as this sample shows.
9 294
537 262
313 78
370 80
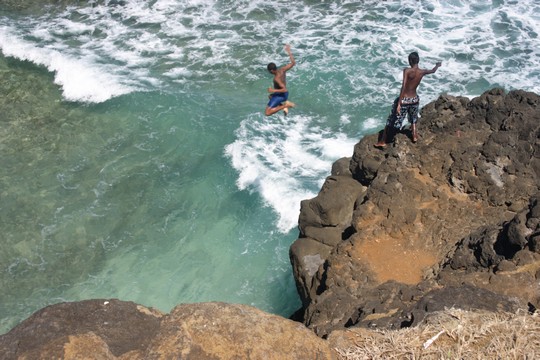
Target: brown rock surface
113 329
109 327
226 331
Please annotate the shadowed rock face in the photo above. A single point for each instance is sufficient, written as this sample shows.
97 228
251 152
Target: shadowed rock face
457 209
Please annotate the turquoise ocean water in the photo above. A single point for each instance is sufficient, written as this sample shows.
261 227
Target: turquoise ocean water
136 162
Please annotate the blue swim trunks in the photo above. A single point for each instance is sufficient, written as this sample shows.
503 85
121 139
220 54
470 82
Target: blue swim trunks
409 108
277 98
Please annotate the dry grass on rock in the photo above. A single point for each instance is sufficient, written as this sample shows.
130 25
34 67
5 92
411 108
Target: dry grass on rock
452 334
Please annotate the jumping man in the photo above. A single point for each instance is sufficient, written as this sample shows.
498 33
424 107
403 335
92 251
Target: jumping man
279 94
408 101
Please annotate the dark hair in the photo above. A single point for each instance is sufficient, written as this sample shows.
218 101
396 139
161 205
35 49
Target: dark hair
271 67
414 58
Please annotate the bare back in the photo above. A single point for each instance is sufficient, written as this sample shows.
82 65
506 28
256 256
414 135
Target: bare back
280 79
411 79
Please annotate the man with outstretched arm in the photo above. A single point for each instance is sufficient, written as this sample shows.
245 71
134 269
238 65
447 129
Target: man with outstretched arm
279 93
407 104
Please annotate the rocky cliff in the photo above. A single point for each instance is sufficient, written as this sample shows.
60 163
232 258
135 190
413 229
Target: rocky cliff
450 221
394 234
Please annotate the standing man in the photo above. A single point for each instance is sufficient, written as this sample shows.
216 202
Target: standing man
279 94
408 101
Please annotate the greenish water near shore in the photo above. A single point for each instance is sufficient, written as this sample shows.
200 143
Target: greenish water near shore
77 199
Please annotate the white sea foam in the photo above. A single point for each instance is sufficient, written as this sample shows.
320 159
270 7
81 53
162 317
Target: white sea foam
370 123
285 159
136 44
79 79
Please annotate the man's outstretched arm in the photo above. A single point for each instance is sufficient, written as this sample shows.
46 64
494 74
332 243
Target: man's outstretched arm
291 57
437 65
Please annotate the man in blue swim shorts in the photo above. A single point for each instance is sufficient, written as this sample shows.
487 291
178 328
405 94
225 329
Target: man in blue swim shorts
407 103
279 93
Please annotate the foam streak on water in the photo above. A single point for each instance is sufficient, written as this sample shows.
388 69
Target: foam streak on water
136 158
270 155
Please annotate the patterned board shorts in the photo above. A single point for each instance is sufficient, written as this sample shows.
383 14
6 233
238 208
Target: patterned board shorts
409 108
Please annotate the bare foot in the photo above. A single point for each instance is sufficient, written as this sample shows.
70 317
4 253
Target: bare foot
289 104
380 145
286 111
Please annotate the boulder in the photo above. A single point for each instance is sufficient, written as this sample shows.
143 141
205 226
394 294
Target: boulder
113 329
228 331
324 222
105 328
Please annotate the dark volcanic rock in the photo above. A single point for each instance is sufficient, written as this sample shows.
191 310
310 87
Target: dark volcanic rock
325 221
458 209
490 246
465 297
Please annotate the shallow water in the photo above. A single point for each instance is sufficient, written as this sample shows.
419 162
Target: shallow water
136 160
